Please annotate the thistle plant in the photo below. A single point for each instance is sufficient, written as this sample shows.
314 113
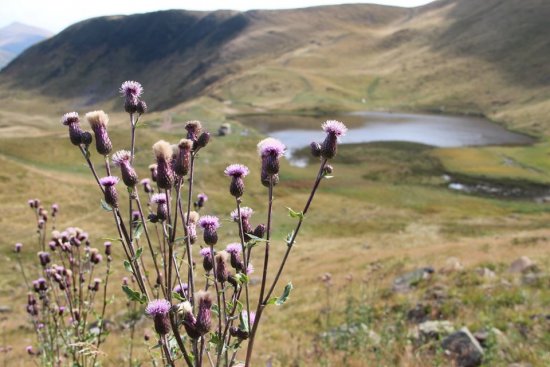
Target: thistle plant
195 292
67 301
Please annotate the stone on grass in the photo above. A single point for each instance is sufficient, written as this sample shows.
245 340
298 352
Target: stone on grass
463 348
452 265
522 265
407 281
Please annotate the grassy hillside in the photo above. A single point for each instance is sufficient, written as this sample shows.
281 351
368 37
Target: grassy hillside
452 56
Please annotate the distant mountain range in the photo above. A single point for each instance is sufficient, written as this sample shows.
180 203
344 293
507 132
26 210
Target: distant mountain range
17 37
488 57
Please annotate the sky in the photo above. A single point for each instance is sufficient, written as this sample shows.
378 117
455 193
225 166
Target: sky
56 15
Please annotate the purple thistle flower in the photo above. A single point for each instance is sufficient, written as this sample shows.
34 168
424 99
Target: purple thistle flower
236 170
18 247
234 248
131 89
72 120
181 289
205 252
159 198
111 195
122 159
208 260
209 221
246 213
203 197
98 121
162 207
108 246
29 350
146 183
270 150
158 309
334 129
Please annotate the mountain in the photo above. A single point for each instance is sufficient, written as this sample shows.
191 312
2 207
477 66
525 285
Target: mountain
17 37
461 56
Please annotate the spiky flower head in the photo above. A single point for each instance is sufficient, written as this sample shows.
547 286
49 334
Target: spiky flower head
205 252
108 181
159 198
270 149
234 248
70 118
209 221
18 247
221 260
158 309
193 217
182 157
334 127
334 130
162 149
203 197
131 89
271 146
236 170
121 157
246 213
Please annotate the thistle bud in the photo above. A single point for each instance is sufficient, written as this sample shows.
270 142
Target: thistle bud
204 315
203 140
165 174
265 178
207 262
98 121
111 195
221 266
146 183
141 107
94 287
238 333
18 247
44 258
201 199
153 170
315 149
86 138
183 156
259 231
328 169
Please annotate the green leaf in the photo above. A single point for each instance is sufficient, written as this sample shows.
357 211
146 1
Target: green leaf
179 239
243 325
215 310
133 295
106 206
128 266
255 238
241 278
289 237
139 251
294 214
138 230
178 297
283 298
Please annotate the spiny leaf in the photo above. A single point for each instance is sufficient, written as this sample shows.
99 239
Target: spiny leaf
106 206
128 266
294 214
283 297
133 295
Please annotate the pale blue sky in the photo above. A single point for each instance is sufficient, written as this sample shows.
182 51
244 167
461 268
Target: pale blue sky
55 15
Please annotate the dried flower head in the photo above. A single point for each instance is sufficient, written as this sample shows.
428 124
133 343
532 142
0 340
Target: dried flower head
98 121
194 128
162 149
121 157
164 171
97 118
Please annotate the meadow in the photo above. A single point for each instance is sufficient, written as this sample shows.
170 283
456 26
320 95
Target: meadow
387 211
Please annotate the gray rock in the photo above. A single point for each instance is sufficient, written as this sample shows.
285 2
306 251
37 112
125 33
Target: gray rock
463 348
435 329
452 265
5 309
486 273
522 265
405 282
225 129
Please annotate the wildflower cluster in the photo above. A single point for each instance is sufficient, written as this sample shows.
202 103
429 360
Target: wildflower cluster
196 318
62 300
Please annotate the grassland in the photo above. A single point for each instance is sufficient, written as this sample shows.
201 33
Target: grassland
386 205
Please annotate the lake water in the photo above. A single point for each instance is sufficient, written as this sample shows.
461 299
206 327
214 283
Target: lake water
437 130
